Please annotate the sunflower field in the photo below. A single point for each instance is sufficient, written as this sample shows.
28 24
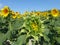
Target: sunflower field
29 28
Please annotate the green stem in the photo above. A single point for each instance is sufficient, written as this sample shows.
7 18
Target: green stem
9 31
10 28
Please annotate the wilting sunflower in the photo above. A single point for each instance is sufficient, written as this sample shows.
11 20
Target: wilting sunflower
34 27
5 11
54 12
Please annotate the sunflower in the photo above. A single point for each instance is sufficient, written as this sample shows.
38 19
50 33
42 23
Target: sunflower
54 12
26 13
0 14
5 11
18 14
32 13
13 15
45 13
34 27
37 13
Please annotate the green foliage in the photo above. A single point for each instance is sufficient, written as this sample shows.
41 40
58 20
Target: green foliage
19 31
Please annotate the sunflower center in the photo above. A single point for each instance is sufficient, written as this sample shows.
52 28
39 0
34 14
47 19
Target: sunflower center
5 11
35 27
54 11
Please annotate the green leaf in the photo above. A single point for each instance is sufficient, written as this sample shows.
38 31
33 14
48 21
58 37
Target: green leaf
21 40
1 38
46 38
58 39
57 29
17 23
45 43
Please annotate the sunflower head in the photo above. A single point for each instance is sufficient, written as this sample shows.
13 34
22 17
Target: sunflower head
5 11
32 13
38 13
17 13
45 13
34 27
19 16
13 14
54 12
0 14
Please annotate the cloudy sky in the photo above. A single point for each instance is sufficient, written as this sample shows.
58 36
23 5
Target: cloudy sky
29 5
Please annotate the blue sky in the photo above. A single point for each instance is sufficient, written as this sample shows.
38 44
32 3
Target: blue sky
30 5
